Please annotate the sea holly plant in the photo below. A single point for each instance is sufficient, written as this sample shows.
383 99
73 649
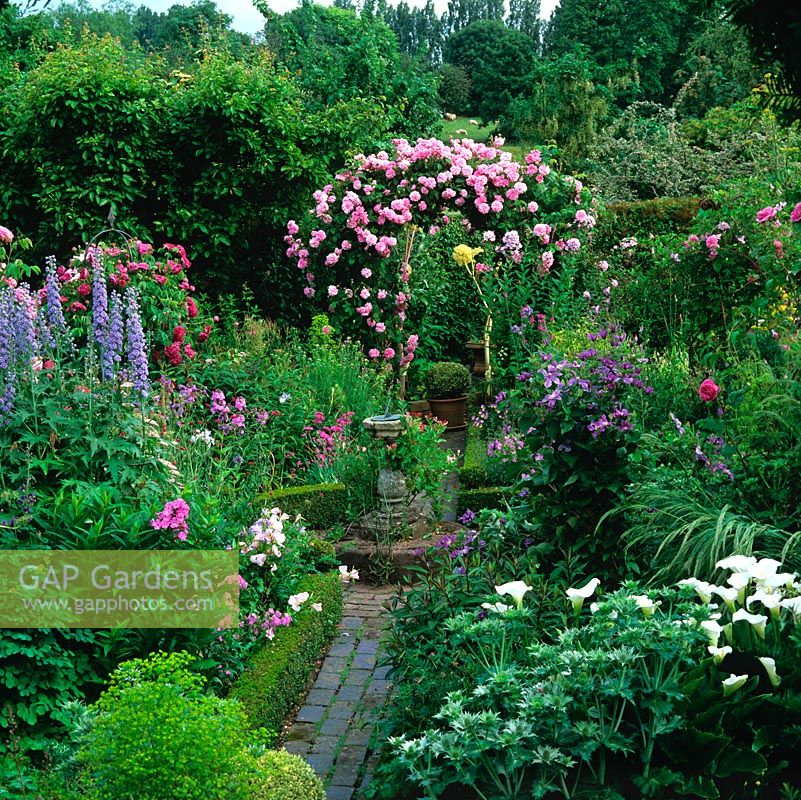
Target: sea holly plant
356 249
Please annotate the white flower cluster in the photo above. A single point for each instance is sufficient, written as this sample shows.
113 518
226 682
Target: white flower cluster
751 583
267 535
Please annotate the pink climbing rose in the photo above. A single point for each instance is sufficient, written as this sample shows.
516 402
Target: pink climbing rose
708 390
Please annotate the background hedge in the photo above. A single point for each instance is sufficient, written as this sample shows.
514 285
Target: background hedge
321 505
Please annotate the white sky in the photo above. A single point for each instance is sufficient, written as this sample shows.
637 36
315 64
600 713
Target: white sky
248 20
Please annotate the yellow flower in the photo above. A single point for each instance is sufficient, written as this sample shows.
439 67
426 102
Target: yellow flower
463 254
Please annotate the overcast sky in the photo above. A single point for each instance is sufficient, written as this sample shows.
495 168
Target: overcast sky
247 19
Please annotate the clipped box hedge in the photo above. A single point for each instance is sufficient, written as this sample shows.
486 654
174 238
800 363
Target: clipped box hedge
485 497
322 505
278 674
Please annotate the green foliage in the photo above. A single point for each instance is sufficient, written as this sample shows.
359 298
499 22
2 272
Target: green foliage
283 776
156 736
42 671
497 61
278 674
454 89
321 506
560 102
339 57
631 38
447 379
484 497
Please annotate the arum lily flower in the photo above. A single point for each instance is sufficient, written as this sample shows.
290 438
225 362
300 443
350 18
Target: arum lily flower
712 630
794 604
764 568
777 580
578 596
733 683
500 608
726 593
771 601
770 667
644 602
702 588
738 581
516 590
758 621
737 563
719 653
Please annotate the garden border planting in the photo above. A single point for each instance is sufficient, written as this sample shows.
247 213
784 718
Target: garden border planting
278 674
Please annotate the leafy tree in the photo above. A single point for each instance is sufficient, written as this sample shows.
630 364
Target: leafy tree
719 70
561 104
496 59
524 15
338 56
454 89
773 28
639 37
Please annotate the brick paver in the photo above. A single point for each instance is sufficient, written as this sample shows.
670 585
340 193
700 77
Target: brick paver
333 728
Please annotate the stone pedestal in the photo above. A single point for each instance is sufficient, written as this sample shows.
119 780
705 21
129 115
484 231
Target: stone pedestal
390 518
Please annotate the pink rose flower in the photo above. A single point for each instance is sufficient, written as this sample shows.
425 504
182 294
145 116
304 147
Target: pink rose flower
769 212
708 390
795 214
6 237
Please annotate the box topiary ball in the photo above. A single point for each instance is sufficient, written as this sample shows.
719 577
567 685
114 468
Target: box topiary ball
283 776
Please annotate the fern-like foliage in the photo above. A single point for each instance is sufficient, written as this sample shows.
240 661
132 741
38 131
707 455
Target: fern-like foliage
682 537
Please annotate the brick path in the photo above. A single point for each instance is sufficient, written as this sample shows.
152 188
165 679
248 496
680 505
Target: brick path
333 730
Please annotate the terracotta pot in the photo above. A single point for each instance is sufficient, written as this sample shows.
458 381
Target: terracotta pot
479 362
451 411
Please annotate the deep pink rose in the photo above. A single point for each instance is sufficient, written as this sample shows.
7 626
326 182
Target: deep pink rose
765 214
795 214
708 390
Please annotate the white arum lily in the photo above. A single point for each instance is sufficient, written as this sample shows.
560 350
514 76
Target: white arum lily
499 608
733 683
794 604
758 621
719 653
770 667
738 581
645 603
578 596
737 563
712 630
764 568
702 588
726 593
517 590
777 580
771 601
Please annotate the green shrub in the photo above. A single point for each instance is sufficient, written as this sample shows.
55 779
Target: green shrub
279 673
446 379
283 776
477 471
157 737
477 499
322 506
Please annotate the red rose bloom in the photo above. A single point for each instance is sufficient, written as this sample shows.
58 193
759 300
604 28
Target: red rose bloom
173 353
708 390
84 289
178 333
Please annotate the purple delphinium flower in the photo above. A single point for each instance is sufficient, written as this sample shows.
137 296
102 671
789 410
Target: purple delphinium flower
136 348
6 317
100 311
24 330
55 313
7 398
43 334
112 345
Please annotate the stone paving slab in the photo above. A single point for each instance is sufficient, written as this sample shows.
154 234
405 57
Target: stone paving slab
332 730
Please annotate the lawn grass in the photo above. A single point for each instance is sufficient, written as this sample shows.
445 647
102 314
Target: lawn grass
477 132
